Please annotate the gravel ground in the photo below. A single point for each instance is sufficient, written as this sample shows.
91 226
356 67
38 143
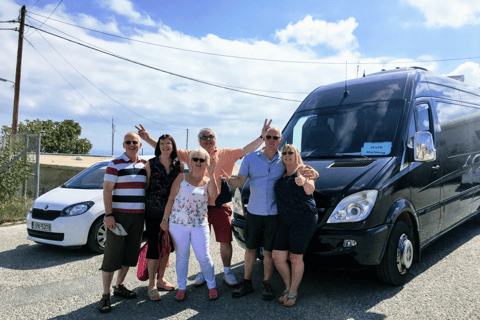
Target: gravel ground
45 282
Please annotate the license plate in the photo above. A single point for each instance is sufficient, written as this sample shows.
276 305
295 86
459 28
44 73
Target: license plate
42 226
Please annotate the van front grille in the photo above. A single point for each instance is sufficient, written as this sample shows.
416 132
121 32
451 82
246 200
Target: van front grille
351 164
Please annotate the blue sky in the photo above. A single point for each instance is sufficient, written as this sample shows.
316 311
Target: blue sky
370 35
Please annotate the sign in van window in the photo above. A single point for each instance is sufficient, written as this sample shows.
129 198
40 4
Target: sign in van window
376 148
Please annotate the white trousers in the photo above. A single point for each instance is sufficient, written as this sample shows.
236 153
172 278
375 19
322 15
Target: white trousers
199 237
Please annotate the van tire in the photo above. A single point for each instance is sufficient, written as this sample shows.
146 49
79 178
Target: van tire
398 257
97 236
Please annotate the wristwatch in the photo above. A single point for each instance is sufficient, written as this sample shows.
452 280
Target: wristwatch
163 219
108 214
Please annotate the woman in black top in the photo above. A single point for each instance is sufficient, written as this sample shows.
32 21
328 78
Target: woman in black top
297 222
161 172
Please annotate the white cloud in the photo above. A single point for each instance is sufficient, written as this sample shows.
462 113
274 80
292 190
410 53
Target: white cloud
314 32
92 23
471 71
125 8
448 13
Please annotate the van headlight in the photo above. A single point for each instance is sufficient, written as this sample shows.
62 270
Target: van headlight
76 209
356 207
237 204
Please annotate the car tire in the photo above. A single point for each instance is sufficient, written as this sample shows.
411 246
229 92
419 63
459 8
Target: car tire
97 236
398 256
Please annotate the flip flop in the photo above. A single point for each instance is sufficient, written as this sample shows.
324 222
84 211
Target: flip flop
154 295
284 296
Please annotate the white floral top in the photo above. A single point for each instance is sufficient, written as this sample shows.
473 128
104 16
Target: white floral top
190 205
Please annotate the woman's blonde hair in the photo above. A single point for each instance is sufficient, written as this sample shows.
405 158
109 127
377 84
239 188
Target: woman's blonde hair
200 153
298 158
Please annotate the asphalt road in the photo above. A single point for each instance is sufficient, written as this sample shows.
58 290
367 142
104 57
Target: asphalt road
45 282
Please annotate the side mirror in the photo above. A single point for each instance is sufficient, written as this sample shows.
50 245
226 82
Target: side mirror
423 147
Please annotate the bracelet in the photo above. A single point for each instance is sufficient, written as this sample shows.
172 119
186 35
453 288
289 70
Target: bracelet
108 214
163 219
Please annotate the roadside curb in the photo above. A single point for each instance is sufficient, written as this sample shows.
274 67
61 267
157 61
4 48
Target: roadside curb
9 224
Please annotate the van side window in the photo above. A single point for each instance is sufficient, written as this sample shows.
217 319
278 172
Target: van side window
455 130
422 118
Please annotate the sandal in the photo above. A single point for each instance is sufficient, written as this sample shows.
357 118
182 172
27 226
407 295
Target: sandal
122 291
292 298
180 296
212 294
284 296
167 287
105 303
154 295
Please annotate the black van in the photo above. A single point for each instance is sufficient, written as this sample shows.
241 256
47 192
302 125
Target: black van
398 153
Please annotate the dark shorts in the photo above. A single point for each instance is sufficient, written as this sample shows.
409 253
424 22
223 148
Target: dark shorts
221 220
152 225
260 231
294 236
123 250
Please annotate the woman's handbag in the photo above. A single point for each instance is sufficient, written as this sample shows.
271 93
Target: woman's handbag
225 194
164 248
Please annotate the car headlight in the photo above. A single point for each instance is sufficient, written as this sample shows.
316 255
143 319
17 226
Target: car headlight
76 209
237 205
356 207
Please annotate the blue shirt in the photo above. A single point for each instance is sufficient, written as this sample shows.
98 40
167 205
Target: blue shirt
263 175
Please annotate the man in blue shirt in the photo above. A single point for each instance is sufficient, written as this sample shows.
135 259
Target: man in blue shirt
263 168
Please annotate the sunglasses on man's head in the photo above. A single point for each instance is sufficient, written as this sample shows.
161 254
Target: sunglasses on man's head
272 137
210 137
198 159
128 142
287 152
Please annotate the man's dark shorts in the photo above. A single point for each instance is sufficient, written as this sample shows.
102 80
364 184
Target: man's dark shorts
123 250
260 231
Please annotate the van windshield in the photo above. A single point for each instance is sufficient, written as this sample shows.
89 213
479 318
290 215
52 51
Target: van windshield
90 178
365 129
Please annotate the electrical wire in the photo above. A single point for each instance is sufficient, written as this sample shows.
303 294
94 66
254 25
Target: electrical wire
51 13
165 71
33 5
256 59
161 124
226 85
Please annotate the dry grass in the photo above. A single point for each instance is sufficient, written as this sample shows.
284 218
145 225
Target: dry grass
15 209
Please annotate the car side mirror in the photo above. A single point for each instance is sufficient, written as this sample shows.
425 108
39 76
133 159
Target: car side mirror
423 147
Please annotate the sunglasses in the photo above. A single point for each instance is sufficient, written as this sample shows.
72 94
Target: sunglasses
272 137
210 137
128 142
198 159
287 152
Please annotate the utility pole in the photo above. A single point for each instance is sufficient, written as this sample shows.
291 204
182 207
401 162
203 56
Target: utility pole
113 134
16 99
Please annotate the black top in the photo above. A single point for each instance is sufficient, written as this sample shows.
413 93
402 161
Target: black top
160 184
292 201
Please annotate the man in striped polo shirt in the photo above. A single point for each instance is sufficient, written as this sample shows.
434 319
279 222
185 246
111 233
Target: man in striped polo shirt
124 199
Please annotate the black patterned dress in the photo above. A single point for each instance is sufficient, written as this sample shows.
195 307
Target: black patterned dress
156 199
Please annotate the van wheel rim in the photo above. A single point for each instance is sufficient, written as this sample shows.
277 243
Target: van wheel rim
102 235
404 254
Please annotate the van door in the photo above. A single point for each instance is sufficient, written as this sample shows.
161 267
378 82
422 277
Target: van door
425 186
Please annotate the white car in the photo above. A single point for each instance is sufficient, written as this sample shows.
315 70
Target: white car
72 215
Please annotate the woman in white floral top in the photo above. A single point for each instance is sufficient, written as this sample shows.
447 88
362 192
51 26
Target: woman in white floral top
186 218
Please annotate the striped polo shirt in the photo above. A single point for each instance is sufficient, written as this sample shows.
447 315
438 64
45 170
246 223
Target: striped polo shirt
130 180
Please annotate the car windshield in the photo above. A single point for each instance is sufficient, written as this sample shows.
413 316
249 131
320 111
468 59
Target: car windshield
365 129
90 178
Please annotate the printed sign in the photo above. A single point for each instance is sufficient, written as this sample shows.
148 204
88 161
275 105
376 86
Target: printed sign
376 148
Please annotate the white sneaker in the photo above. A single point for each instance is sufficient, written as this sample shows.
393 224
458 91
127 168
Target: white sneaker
199 280
229 278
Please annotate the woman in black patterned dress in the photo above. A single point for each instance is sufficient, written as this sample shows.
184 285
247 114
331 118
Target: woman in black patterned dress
161 172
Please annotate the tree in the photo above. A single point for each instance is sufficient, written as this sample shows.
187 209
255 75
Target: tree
58 137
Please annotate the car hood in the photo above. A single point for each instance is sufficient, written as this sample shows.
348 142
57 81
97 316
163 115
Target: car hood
341 177
59 198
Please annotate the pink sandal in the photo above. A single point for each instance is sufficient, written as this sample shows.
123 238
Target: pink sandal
180 296
212 294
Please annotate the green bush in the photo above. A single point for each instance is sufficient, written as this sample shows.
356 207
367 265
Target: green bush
14 209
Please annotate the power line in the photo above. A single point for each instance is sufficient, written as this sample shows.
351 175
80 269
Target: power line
51 13
230 86
165 71
164 125
33 5
250 58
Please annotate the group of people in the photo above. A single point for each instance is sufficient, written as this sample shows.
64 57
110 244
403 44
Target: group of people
281 212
